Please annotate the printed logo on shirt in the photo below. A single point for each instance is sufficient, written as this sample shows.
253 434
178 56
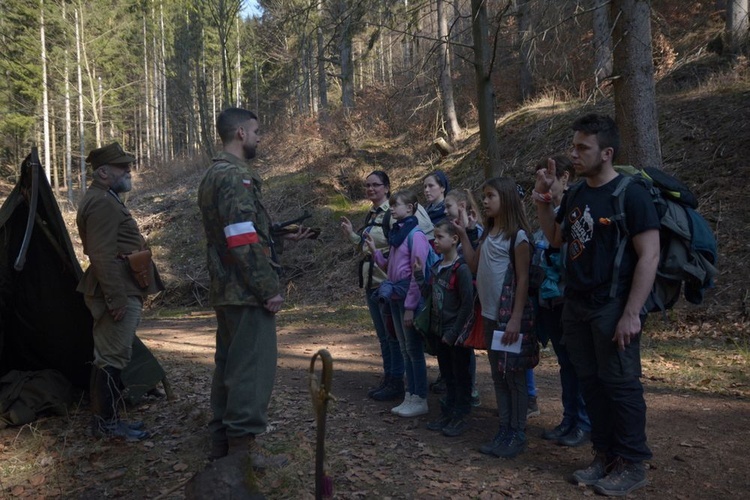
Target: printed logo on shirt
239 234
581 231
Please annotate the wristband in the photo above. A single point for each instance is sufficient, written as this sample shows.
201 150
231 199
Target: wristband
541 197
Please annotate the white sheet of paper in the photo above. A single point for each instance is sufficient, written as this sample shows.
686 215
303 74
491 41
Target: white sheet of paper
497 345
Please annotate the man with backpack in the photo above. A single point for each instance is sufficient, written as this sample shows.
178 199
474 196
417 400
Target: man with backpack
601 329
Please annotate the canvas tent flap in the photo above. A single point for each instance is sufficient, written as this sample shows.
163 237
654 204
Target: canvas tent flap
44 322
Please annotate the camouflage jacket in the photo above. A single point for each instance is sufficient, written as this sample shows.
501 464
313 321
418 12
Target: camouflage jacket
238 234
108 232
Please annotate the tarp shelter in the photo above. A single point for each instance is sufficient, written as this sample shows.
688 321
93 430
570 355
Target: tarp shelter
44 322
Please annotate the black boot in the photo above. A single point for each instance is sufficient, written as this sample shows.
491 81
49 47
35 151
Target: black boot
392 391
383 383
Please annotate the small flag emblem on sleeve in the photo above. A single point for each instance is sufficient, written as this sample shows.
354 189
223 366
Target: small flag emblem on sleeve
240 233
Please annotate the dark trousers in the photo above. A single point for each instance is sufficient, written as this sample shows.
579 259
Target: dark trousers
549 321
511 391
610 378
455 369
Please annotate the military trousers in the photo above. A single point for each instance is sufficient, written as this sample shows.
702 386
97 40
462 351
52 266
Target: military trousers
113 340
245 370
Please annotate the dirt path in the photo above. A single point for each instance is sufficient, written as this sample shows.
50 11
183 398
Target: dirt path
698 441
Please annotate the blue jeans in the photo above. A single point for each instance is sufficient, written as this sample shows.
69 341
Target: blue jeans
610 378
412 350
530 383
574 408
393 362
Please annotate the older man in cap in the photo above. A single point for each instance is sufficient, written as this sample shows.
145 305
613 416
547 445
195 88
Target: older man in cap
118 279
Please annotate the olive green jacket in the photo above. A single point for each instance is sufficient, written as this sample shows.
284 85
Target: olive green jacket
238 234
108 231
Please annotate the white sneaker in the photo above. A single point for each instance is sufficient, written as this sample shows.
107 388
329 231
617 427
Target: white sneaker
404 404
417 407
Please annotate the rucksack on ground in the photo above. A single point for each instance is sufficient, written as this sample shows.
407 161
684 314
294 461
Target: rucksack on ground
688 255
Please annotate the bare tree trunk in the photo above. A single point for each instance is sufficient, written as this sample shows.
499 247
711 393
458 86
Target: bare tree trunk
347 65
635 96
165 142
68 125
602 41
238 67
146 92
526 48
446 80
322 84
45 92
81 138
737 24
485 92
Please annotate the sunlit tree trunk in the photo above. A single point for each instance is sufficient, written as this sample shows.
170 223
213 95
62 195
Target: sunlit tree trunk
635 96
68 126
146 93
45 92
81 138
446 80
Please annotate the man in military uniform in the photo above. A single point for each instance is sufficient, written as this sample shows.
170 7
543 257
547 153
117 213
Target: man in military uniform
245 290
111 291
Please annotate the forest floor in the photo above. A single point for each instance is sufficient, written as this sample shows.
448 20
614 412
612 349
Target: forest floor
698 426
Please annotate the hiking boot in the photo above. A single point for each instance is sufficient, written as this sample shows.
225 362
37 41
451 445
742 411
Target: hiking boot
514 443
437 425
625 477
383 383
576 437
596 470
118 430
561 430
416 407
532 410
487 448
393 390
404 404
455 427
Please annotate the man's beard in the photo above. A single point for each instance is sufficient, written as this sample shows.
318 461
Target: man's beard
249 152
123 185
591 172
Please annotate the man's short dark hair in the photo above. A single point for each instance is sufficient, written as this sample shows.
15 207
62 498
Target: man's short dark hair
229 121
604 127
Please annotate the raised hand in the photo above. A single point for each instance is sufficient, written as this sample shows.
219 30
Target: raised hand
545 177
346 226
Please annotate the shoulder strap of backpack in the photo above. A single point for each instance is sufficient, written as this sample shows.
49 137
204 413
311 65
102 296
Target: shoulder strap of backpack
622 230
454 270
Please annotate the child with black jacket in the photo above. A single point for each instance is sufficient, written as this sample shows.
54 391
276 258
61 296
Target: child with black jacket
452 290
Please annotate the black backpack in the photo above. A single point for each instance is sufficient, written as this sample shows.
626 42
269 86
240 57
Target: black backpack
688 251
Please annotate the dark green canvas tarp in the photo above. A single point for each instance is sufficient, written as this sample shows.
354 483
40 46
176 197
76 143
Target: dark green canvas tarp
44 322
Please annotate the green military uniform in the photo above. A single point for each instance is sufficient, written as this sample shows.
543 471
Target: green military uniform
108 231
243 276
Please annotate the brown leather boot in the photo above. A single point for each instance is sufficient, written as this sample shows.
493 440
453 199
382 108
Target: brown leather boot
260 458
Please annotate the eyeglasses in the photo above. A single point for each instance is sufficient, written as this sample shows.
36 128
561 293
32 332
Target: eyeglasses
374 185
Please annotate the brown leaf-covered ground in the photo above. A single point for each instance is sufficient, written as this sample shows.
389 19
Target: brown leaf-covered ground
698 438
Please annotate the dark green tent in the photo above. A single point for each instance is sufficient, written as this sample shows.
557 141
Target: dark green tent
44 322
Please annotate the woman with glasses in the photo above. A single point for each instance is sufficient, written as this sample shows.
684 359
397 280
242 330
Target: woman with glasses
377 225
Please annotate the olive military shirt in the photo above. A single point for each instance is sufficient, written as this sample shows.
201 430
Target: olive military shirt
238 235
108 231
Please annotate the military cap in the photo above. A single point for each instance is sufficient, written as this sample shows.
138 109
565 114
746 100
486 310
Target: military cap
111 154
